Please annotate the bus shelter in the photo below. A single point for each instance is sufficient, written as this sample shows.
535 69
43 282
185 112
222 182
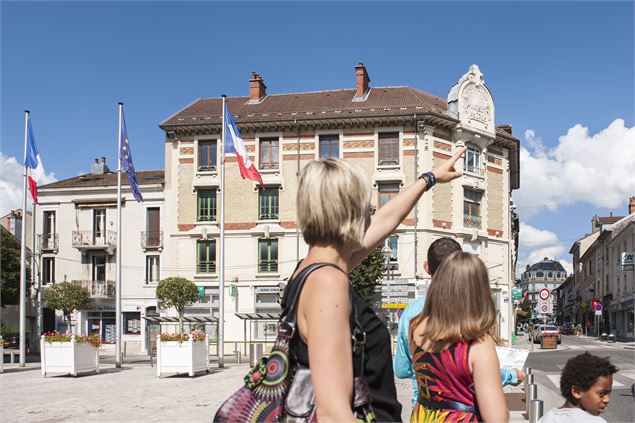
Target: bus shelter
252 318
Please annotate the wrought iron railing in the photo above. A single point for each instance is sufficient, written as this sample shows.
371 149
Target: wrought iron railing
94 239
470 221
97 289
268 266
151 239
475 169
48 242
206 267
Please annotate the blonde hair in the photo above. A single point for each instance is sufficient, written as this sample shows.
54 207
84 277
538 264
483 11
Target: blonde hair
333 203
459 304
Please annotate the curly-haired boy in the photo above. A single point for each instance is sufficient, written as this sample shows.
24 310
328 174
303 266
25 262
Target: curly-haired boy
585 383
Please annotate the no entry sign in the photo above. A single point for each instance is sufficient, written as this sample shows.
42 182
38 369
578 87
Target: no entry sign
544 294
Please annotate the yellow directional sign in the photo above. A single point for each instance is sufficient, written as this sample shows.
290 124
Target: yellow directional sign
394 305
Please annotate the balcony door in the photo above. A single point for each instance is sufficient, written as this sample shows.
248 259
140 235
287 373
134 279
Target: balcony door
99 226
153 227
99 268
48 232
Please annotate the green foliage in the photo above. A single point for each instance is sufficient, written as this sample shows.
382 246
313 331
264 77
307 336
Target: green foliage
527 307
368 274
177 292
67 297
10 268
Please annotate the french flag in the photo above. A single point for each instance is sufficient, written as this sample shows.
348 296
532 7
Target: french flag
33 163
234 145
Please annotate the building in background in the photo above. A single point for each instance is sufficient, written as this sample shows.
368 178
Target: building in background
394 133
546 274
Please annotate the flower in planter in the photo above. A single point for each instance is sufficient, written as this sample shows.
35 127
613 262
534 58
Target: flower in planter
197 336
57 336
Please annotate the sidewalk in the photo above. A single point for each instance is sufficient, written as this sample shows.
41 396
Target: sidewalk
623 342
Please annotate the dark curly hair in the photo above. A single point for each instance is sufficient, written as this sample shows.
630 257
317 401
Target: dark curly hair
583 371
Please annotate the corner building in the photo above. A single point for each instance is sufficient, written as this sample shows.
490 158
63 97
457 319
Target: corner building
393 133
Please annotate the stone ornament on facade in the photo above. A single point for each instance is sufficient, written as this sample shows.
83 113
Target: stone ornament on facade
471 101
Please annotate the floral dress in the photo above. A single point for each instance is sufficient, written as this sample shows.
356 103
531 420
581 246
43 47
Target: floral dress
446 386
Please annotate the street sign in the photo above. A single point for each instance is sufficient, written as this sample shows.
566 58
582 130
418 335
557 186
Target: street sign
598 307
543 307
394 305
544 294
598 312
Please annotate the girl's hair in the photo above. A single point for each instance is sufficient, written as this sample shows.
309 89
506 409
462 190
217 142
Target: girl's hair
459 304
333 203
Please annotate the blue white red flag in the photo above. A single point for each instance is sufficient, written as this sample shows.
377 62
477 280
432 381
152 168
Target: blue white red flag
234 145
125 155
33 163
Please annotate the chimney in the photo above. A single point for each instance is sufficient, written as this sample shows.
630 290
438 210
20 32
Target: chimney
257 88
361 80
631 205
100 168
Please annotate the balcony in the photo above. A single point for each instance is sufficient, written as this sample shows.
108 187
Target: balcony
95 241
206 267
477 170
97 289
470 221
152 240
48 242
267 266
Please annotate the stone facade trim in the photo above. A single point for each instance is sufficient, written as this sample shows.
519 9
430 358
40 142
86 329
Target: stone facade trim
494 170
188 160
440 224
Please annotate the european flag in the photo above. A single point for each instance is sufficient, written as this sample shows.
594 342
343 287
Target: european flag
125 155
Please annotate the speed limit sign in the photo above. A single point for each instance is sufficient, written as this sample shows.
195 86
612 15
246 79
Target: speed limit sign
544 294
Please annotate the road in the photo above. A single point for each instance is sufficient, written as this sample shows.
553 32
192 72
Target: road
547 366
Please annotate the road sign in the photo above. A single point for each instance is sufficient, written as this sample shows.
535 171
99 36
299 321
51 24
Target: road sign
598 312
394 305
598 307
544 294
543 307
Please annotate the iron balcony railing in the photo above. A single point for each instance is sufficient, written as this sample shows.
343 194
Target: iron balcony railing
48 242
94 239
206 267
470 221
475 169
97 289
268 266
151 239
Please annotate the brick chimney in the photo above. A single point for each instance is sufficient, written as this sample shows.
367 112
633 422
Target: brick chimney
361 80
257 88
631 205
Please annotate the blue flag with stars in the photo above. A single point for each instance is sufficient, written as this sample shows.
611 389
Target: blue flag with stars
125 155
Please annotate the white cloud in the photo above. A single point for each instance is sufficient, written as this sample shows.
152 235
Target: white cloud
583 168
536 244
11 183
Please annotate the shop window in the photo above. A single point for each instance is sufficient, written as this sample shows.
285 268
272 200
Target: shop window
48 270
206 205
268 201
329 146
131 323
152 269
206 256
388 148
386 192
268 255
206 156
269 153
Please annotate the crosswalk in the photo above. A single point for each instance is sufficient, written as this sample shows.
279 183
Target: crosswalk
595 346
621 380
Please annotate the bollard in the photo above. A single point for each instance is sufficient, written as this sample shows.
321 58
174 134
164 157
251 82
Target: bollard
530 394
535 410
529 379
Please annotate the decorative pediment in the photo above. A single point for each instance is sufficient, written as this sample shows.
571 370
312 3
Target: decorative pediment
471 102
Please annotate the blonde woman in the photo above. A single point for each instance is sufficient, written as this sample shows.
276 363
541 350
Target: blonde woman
453 347
337 221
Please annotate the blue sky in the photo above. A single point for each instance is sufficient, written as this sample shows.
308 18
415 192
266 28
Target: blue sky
550 66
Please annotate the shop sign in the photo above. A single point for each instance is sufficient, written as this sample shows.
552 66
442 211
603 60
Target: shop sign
628 259
200 290
267 290
517 294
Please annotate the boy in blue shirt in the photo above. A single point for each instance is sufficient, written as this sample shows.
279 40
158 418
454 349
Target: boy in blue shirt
439 250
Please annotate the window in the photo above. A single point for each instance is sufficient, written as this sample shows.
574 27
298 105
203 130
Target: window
206 256
388 151
393 243
473 159
206 199
99 225
99 268
152 269
268 203
131 323
472 208
386 192
268 255
48 232
48 270
206 155
269 153
329 146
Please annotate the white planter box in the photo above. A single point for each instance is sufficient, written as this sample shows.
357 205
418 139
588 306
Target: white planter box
182 357
68 357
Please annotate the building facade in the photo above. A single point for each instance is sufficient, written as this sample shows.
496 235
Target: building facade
77 241
546 274
393 133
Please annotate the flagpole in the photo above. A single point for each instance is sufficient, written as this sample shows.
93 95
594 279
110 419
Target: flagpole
221 285
118 259
23 252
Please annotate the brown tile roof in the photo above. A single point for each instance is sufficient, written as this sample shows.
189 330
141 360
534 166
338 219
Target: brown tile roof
608 219
380 101
144 177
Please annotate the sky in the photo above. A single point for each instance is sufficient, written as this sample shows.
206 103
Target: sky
561 74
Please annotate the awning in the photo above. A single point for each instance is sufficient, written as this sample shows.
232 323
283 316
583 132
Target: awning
186 319
258 316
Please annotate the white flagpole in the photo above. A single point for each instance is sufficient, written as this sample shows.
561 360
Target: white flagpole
23 252
118 268
221 285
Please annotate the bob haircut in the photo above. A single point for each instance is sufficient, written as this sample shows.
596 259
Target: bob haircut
459 304
333 203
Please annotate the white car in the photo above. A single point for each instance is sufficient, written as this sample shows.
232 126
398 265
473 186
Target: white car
539 330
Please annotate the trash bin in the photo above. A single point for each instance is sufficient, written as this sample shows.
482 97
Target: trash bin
255 353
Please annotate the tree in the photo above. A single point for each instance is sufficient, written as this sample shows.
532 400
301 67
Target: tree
526 309
367 275
10 269
178 293
67 297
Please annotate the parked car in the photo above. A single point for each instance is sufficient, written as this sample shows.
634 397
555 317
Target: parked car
12 341
540 330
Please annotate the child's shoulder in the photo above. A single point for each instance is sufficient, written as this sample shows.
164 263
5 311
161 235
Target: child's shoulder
566 415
